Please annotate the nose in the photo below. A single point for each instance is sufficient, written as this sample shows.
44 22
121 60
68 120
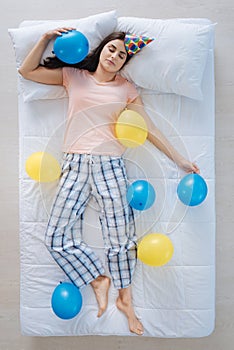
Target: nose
114 54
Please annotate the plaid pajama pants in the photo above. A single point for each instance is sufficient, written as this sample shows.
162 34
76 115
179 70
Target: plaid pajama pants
103 177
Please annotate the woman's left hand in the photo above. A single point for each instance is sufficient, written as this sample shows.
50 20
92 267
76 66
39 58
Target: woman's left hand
188 166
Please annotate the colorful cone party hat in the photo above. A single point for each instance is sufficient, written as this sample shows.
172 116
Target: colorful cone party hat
134 43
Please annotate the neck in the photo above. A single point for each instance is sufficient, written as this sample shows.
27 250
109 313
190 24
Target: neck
103 76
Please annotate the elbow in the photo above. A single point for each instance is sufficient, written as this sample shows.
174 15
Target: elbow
22 73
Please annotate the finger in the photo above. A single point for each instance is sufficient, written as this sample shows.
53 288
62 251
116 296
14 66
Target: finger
66 29
60 31
196 169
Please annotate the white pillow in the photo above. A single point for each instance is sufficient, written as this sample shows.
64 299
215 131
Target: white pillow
95 28
175 61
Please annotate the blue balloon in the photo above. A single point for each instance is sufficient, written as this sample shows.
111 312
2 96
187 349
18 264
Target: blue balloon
192 190
71 47
141 195
66 301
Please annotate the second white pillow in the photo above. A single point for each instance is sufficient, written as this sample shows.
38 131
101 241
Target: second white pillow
175 61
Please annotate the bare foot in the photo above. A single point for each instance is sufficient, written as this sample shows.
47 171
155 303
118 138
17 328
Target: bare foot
101 287
124 304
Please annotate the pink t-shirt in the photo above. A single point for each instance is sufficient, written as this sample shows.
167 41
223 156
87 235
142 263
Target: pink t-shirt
93 110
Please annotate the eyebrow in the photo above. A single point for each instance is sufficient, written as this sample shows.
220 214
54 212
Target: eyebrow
120 51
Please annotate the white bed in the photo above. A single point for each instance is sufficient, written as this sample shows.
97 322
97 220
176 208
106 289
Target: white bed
177 299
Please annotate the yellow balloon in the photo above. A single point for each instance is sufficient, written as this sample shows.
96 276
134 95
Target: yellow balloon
155 249
42 167
131 129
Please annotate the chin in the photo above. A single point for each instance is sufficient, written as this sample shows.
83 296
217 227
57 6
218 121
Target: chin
111 70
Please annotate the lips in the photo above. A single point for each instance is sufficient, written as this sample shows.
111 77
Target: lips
111 62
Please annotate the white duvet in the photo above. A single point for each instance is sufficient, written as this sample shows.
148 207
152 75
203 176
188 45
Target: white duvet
175 300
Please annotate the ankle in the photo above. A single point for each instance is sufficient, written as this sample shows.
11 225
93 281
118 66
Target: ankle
97 280
125 299
125 294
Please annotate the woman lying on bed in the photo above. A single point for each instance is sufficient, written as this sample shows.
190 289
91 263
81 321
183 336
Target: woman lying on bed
93 165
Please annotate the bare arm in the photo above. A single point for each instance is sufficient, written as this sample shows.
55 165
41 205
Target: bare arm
31 69
160 141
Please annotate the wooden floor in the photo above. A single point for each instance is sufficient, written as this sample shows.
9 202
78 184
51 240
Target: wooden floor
12 13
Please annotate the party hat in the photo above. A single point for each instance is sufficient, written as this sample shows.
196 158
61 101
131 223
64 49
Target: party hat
134 43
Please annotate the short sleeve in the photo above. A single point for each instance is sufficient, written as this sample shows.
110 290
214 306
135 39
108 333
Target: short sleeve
68 73
132 92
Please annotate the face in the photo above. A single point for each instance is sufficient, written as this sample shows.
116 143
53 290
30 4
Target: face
113 56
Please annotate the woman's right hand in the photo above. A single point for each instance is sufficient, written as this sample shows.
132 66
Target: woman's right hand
50 34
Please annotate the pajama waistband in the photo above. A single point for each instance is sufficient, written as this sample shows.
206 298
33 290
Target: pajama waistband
88 157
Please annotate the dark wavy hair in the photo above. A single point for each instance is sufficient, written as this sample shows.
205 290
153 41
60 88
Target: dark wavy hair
91 61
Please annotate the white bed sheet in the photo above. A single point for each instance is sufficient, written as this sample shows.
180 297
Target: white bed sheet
175 300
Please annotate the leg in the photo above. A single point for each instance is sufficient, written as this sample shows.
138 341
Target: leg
64 231
119 235
100 286
117 220
124 304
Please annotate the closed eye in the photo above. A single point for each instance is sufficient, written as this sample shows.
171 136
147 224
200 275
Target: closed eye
122 54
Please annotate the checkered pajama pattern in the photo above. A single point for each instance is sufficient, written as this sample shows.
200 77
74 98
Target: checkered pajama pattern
103 177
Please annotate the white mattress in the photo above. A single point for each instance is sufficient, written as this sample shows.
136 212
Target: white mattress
175 300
